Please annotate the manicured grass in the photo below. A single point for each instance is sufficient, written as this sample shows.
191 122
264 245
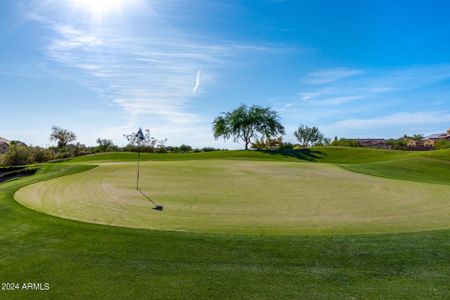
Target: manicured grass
92 261
439 154
89 261
259 197
131 156
421 166
420 169
316 154
429 167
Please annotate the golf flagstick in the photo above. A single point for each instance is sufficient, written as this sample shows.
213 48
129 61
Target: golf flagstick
139 159
140 137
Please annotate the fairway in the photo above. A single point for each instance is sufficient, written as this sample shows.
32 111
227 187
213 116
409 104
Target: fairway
231 196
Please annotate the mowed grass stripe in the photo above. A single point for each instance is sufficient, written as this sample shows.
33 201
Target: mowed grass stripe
249 197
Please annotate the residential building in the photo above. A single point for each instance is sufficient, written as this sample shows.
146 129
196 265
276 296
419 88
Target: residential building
4 145
433 138
373 143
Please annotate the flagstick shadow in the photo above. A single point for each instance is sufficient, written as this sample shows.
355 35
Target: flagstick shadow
157 207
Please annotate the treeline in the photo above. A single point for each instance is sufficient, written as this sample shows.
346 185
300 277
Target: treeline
395 144
67 147
256 126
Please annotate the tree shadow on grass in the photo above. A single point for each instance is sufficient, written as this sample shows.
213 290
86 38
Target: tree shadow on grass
300 154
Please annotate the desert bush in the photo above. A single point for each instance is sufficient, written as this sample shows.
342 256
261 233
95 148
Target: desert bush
209 149
344 142
267 143
17 155
286 146
185 148
40 155
398 144
443 144
160 150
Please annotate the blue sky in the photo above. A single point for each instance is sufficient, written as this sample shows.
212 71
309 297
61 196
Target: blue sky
106 67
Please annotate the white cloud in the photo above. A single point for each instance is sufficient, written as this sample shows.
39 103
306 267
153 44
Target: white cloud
404 119
144 73
330 75
372 85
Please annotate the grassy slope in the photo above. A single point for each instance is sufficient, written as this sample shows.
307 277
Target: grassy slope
91 261
430 167
317 154
421 169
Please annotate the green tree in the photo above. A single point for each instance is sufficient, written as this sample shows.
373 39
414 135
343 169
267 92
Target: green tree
248 123
105 145
62 136
415 137
185 148
308 136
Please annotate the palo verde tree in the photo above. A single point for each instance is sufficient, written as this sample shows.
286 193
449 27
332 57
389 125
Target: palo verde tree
248 123
62 136
308 136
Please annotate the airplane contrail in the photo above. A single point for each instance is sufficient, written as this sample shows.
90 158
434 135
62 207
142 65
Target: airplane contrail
197 83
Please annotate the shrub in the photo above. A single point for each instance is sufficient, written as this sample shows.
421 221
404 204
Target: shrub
17 155
398 144
344 142
40 155
161 150
185 148
442 144
267 143
286 146
209 149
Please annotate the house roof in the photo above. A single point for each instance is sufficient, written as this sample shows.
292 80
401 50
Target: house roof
436 136
3 140
371 140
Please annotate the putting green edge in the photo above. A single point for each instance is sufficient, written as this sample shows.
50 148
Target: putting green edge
55 170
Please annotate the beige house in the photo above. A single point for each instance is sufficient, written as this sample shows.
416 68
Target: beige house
432 139
429 141
4 145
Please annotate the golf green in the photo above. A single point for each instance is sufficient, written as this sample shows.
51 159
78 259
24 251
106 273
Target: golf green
232 196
